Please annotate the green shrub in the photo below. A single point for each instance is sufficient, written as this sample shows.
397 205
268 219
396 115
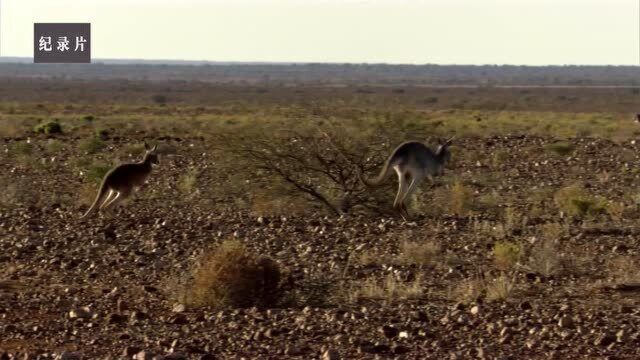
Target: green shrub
51 127
91 145
576 202
96 172
102 134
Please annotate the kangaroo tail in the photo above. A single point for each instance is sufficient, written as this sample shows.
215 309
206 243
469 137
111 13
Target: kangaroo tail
101 192
384 174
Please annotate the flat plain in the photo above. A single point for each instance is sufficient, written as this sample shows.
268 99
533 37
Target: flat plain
527 247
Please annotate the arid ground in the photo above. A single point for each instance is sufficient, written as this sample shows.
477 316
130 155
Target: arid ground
527 247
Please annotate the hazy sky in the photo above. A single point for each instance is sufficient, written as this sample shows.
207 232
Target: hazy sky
531 32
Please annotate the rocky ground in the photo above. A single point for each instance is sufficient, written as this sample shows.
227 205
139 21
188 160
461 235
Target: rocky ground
106 287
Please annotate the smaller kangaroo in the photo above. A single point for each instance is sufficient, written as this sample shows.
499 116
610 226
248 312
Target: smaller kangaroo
412 161
120 181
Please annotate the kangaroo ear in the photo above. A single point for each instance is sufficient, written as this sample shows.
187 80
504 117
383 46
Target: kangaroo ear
146 146
154 147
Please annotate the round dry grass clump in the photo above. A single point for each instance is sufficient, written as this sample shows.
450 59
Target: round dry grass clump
231 276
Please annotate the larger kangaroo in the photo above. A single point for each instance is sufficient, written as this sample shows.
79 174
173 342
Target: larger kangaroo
120 181
412 161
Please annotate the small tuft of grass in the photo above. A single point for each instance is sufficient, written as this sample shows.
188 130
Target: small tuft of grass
545 258
54 146
132 150
481 287
188 181
460 199
389 289
468 290
560 148
576 202
21 149
501 287
506 254
231 276
102 134
91 145
414 253
97 171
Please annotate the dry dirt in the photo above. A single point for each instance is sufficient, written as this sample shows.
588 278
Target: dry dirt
104 287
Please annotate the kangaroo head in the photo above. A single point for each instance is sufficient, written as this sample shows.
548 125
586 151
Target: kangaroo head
150 155
443 154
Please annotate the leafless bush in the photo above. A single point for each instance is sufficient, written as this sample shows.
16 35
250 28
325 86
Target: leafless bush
319 163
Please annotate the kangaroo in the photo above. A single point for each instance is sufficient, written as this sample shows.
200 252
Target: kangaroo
412 161
119 182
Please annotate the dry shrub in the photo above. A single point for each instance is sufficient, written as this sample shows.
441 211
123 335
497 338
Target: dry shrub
553 231
575 201
187 182
493 289
460 199
414 253
468 290
616 210
389 289
490 201
506 254
230 276
545 259
514 220
86 194
501 287
371 257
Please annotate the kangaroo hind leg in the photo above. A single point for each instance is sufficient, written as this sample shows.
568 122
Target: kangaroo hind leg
402 188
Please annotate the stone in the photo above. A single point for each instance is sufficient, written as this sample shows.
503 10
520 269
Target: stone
566 322
178 308
179 319
381 349
144 355
604 340
68 355
114 318
331 354
129 351
388 331
400 349
81 313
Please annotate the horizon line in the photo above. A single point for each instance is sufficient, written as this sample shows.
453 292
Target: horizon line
114 61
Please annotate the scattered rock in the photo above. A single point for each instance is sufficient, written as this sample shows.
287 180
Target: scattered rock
331 354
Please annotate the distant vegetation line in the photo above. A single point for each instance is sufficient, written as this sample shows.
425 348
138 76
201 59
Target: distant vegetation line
336 74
